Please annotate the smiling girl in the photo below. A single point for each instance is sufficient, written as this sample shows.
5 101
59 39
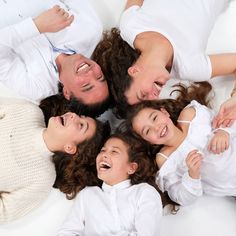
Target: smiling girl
125 204
193 157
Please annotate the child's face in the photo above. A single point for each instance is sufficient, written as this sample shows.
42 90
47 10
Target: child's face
153 125
113 164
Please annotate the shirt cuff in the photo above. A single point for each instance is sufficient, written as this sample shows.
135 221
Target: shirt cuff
194 186
26 29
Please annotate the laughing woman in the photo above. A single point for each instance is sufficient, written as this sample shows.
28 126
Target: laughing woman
27 171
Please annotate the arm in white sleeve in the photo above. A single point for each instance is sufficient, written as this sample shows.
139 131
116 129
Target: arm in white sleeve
149 213
14 205
183 190
13 70
74 224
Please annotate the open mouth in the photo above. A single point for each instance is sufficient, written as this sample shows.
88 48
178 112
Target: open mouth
163 132
83 68
103 166
61 119
158 88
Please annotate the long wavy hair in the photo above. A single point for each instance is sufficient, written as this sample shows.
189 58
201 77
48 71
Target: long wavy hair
115 56
198 91
76 171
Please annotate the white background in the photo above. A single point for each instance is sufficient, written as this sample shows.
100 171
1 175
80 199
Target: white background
209 215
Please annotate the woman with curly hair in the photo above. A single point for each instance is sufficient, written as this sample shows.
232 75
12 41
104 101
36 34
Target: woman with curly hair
27 168
127 203
150 47
193 158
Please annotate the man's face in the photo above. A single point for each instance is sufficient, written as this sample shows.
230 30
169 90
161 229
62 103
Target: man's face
147 83
83 78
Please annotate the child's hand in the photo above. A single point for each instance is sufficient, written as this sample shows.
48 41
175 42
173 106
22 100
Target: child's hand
53 20
194 161
220 142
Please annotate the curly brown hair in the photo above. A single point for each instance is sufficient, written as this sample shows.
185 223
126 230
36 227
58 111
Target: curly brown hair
115 56
76 171
138 152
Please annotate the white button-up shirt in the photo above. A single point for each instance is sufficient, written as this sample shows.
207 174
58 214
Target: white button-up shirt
122 209
27 58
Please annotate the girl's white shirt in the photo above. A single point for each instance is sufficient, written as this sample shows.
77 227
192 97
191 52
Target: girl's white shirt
218 175
122 209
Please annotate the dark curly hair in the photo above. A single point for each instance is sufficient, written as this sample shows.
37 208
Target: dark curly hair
76 171
138 152
115 56
57 105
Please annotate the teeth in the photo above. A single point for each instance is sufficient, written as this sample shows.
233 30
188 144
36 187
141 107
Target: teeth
104 164
163 132
82 67
158 86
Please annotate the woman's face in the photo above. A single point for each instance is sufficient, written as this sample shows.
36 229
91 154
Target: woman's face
153 125
113 164
147 83
69 130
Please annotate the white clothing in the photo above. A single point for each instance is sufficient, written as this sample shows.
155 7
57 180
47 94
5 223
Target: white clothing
121 210
218 175
27 172
27 58
186 24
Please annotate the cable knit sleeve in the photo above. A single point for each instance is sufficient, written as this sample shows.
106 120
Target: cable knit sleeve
18 203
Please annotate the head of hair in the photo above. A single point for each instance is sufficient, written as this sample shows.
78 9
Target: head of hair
198 91
137 152
57 105
76 171
115 56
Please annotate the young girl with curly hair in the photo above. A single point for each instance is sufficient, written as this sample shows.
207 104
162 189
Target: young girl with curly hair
126 204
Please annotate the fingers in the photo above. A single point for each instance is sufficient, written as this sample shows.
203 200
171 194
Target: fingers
218 146
193 158
66 17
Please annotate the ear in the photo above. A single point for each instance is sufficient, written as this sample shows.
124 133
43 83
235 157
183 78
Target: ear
66 93
132 168
70 148
164 111
132 70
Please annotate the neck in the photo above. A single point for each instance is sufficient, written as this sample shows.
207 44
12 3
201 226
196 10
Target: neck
178 137
157 52
49 142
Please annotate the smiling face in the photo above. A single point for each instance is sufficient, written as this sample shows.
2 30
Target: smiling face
83 78
146 83
112 162
69 130
154 126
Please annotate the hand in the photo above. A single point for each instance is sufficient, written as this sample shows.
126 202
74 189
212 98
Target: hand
227 114
220 142
53 20
194 161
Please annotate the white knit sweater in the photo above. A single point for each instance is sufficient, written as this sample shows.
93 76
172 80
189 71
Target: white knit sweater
26 170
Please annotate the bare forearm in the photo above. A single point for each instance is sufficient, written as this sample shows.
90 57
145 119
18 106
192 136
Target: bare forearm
133 2
223 64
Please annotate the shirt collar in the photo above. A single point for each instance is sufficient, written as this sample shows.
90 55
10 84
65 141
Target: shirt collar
122 185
